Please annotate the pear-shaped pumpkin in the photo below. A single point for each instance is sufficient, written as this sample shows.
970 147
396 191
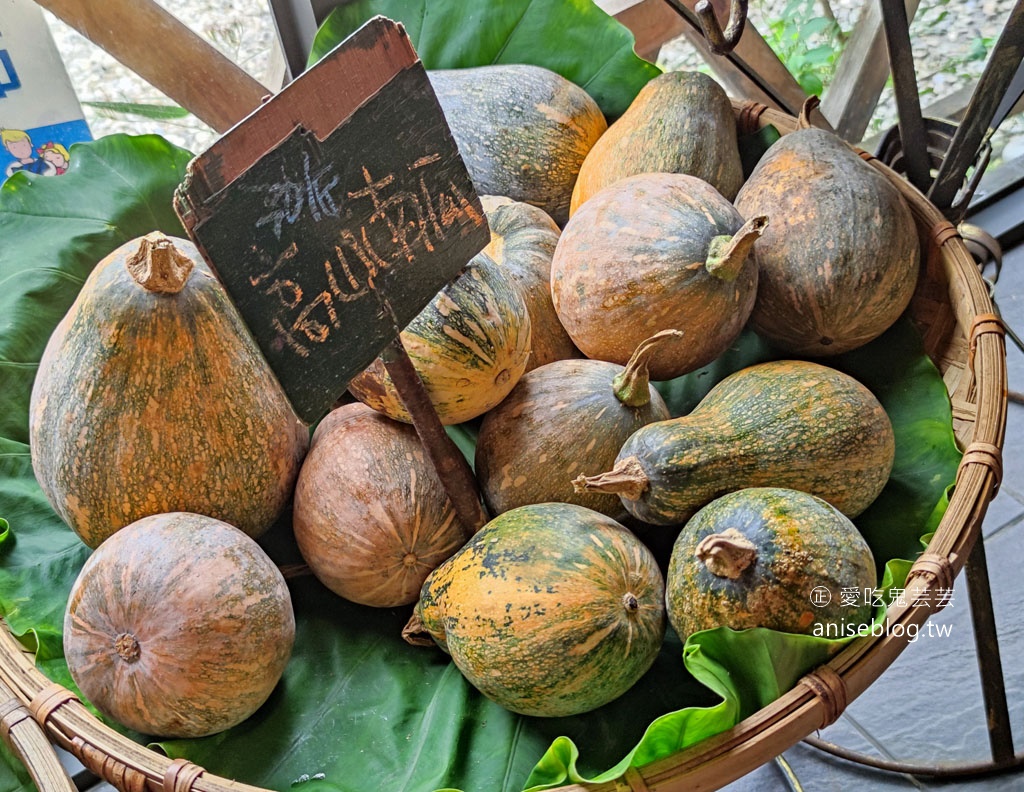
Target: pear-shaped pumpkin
680 122
152 397
841 263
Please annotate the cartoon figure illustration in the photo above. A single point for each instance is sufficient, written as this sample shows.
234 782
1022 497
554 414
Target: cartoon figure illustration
19 145
56 155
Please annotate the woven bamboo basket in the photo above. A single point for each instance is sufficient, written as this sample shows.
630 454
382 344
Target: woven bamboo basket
965 339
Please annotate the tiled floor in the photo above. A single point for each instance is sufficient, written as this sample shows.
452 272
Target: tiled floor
927 707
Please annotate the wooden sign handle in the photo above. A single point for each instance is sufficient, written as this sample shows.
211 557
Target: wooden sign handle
168 55
458 480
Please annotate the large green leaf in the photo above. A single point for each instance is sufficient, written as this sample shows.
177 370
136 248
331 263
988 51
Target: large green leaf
55 230
574 38
358 709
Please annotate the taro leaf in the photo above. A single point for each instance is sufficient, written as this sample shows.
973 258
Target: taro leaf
912 391
55 230
574 38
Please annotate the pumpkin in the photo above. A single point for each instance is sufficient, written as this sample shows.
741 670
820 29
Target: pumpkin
840 263
650 252
786 423
151 396
470 346
549 610
680 122
523 131
523 239
371 517
179 625
770 557
560 418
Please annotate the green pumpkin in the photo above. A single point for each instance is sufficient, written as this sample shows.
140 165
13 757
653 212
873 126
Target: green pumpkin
549 610
786 423
770 557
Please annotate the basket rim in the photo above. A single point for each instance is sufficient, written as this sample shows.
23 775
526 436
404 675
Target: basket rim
814 702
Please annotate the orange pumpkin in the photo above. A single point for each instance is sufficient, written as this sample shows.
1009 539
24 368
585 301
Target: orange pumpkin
179 625
371 517
152 396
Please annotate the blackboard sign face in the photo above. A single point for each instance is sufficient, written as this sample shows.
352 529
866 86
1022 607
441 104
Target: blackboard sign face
329 246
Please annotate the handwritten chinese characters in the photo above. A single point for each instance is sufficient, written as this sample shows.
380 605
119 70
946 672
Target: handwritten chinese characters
329 247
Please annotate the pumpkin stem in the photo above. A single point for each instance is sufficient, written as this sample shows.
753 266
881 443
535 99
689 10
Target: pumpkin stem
415 633
630 602
726 554
626 479
127 647
727 254
158 266
810 105
632 384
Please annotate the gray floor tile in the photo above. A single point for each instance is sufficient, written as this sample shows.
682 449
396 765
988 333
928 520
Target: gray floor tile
1005 511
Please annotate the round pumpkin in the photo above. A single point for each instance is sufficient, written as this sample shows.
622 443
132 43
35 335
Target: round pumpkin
562 419
549 610
470 346
522 130
680 122
840 263
523 239
652 252
151 396
371 517
770 557
179 625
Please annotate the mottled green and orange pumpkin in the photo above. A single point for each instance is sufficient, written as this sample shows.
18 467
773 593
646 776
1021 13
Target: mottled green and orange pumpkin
470 346
152 396
522 130
549 610
563 419
179 625
785 423
371 516
680 122
523 239
840 261
653 252
770 557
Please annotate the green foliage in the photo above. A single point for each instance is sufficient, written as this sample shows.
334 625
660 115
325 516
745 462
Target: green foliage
807 43
573 38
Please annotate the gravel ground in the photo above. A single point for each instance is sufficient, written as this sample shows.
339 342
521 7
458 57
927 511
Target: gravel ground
244 31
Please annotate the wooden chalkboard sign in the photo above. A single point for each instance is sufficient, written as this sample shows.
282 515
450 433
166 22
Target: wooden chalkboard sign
336 212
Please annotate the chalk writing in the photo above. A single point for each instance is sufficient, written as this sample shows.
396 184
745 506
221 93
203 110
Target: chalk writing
413 220
286 198
330 243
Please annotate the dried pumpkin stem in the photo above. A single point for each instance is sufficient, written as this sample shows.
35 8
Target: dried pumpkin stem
632 384
627 479
726 554
415 633
728 254
158 266
127 647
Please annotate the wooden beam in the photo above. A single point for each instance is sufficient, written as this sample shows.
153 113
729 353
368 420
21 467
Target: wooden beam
166 54
851 98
